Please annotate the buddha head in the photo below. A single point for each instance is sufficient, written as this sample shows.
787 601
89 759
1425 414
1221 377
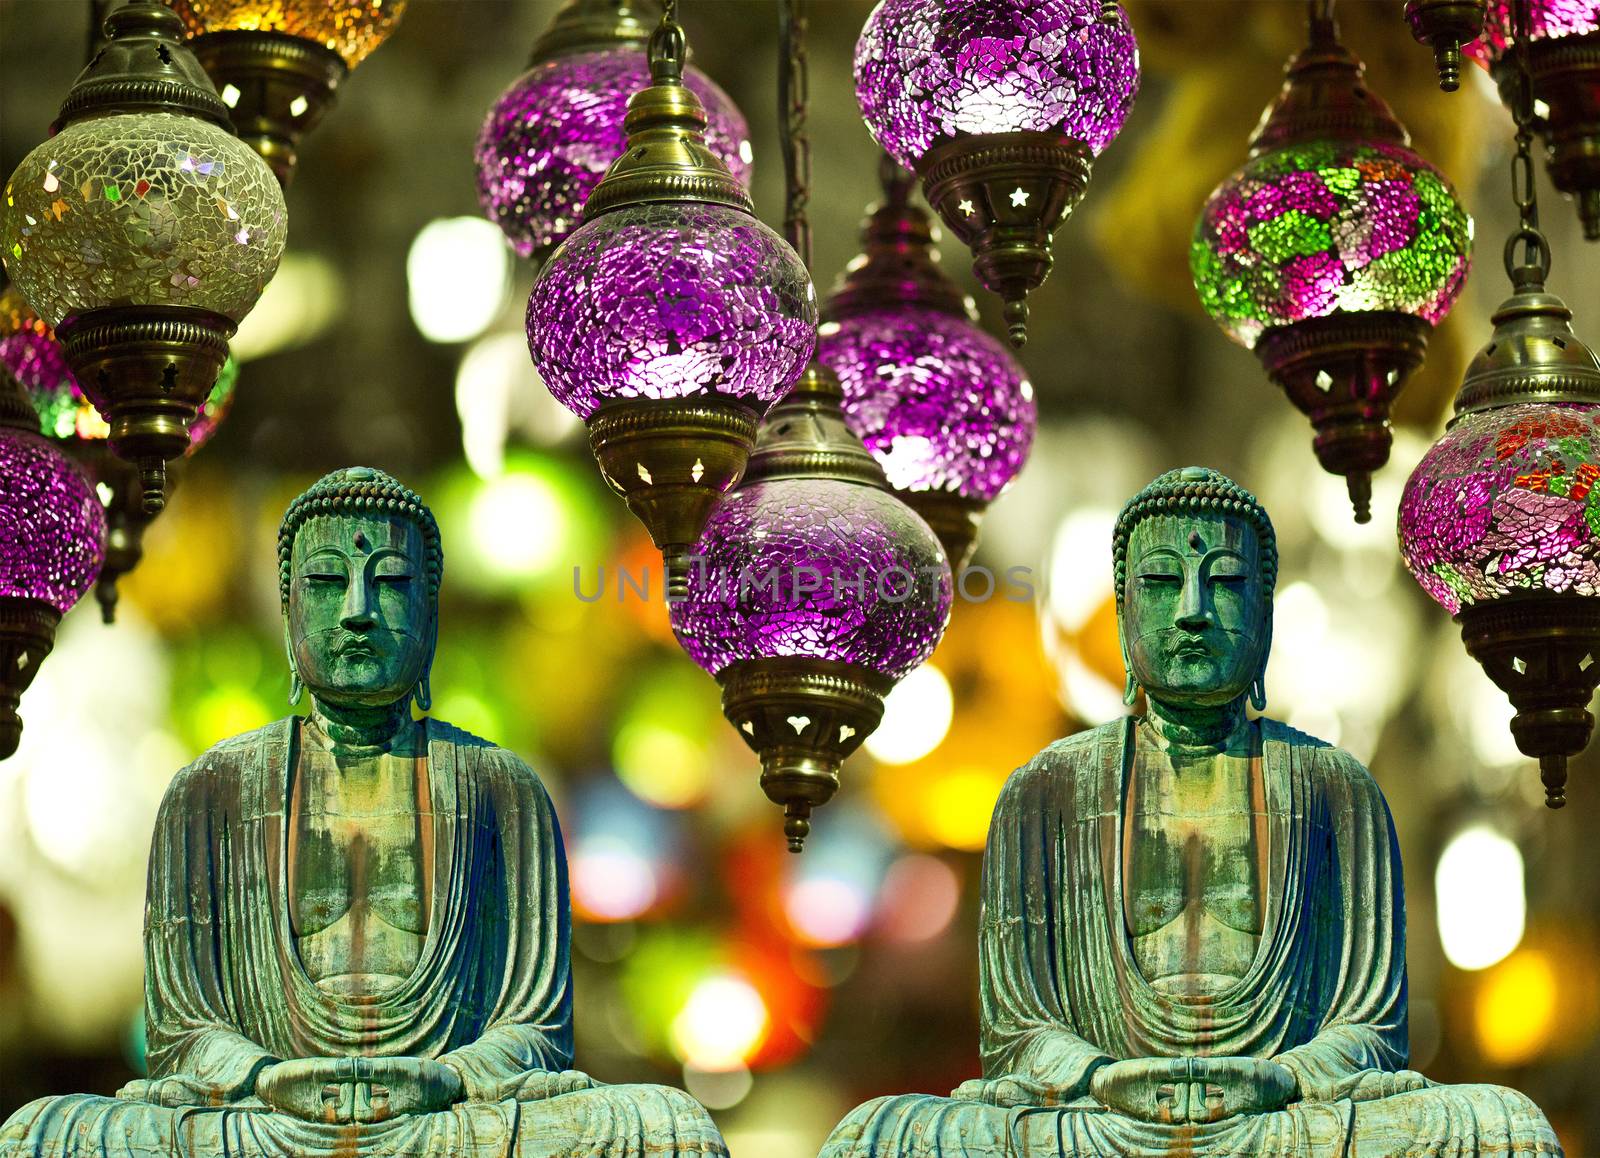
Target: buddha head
359 565
1196 560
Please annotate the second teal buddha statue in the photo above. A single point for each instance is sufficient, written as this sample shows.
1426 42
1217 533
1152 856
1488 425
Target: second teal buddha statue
1193 929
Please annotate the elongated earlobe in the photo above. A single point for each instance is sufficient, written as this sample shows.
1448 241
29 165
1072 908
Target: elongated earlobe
1258 693
423 695
1130 690
296 688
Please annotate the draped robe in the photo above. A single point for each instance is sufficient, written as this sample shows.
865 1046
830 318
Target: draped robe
1325 995
226 994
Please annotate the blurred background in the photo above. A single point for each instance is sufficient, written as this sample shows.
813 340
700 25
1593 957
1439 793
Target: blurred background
784 990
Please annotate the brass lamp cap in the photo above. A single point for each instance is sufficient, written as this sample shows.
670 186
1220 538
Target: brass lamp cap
144 66
805 436
587 24
1325 96
1532 356
667 158
899 264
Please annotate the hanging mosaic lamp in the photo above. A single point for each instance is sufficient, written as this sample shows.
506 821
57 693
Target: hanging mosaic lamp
279 63
946 409
142 231
814 590
672 318
50 548
1500 522
1332 254
1446 26
555 131
30 352
1001 107
1564 58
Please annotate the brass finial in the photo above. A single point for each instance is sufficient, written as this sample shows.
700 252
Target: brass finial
582 25
144 66
667 158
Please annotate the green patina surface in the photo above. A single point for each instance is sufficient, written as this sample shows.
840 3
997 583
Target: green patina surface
1163 897
357 925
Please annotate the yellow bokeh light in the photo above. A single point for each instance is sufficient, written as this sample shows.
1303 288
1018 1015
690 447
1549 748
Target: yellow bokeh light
227 711
1517 1007
661 766
958 806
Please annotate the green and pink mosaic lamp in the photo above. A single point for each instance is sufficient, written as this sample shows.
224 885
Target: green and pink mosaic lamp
1332 253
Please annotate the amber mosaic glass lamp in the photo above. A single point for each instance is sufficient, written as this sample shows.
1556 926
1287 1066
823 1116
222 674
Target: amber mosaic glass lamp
1332 253
278 64
143 231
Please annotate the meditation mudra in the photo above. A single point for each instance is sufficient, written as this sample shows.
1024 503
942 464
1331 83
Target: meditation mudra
1193 926
357 926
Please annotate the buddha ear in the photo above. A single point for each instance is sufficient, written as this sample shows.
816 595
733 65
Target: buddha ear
422 694
1130 687
296 688
1258 686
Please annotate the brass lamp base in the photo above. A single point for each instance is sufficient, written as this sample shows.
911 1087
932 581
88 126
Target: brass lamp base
277 88
954 518
1004 195
1344 372
1543 651
148 369
1446 25
27 635
673 461
803 717
1566 77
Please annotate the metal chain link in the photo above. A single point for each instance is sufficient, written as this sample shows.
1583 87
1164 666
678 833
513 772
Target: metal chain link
1524 193
794 98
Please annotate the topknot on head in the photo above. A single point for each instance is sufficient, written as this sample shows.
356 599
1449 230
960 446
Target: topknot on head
360 490
1195 490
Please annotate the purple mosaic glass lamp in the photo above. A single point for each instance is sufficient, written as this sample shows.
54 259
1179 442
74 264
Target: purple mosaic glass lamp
1500 522
143 231
1564 58
672 318
50 548
555 131
30 352
1332 254
279 63
815 589
1001 107
1446 26
946 409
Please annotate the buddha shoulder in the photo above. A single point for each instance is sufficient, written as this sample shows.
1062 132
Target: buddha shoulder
500 762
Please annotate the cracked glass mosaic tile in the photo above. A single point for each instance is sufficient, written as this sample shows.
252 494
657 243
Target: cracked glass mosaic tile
926 72
815 568
142 209
553 134
1325 227
52 528
352 28
671 300
941 404
1505 502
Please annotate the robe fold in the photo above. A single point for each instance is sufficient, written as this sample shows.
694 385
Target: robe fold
226 994
1325 995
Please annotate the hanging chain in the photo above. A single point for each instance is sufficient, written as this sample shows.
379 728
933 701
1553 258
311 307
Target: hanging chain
669 48
1319 20
1524 194
794 98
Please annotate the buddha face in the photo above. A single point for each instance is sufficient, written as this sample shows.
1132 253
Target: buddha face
360 616
1196 620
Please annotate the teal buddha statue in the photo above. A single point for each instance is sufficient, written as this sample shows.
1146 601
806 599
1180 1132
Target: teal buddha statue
357 923
1193 928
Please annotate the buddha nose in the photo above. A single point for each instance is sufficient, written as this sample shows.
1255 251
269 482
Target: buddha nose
1192 611
357 614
